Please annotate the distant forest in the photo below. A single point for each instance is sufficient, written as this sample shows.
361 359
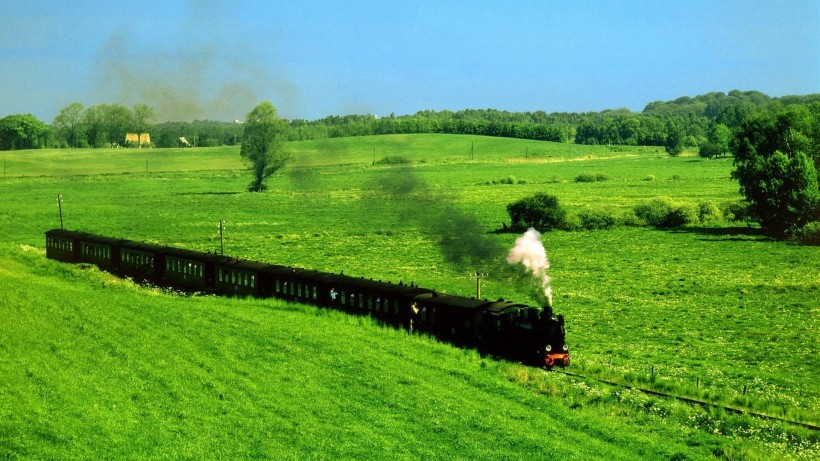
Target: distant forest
686 122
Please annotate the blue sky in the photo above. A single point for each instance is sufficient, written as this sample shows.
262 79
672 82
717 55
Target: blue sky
217 59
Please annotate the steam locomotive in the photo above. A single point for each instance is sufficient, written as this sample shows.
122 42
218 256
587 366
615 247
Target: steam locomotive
510 330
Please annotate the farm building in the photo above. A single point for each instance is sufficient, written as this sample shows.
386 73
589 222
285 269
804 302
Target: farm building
137 139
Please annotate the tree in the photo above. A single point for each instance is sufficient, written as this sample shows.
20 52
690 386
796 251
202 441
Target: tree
22 131
776 157
717 141
94 126
69 124
540 211
674 140
263 147
142 118
116 119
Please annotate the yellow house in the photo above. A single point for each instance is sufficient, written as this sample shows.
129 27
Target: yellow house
138 139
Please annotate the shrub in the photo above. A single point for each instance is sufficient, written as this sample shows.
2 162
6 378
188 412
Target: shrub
507 180
556 179
682 214
393 160
809 234
630 219
736 211
675 177
709 212
598 219
591 177
649 177
541 211
662 212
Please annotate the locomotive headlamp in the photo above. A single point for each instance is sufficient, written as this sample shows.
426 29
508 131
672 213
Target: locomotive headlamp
549 347
565 347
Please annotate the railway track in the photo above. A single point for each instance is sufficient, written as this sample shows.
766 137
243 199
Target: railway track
703 403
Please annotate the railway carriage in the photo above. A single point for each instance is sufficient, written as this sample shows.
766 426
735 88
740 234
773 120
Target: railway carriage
104 252
142 261
389 303
62 245
190 270
241 278
453 318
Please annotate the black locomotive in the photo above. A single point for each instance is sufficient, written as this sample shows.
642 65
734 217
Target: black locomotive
507 329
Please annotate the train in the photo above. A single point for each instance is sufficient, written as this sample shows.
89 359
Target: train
509 330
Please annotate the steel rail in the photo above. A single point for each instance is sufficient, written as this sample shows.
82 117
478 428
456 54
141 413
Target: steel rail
703 403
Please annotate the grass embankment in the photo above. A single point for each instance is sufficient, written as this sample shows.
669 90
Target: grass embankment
719 311
94 367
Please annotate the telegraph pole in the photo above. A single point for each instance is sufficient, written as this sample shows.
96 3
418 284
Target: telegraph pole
221 233
478 277
60 207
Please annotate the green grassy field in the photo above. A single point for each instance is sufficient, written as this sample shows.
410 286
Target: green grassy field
718 312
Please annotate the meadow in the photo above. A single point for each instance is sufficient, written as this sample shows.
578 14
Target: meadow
713 311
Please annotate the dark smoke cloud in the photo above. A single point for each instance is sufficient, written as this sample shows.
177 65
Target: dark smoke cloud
464 242
202 69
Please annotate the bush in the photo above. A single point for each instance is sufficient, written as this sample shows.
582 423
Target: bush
809 234
591 177
736 211
709 212
649 177
662 212
598 219
392 160
541 211
682 214
507 180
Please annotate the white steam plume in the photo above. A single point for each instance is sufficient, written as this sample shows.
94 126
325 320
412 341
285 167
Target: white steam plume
530 252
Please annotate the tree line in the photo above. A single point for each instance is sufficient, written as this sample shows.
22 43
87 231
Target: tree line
706 122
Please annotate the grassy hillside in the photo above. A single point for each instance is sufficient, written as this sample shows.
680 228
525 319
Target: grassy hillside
95 367
717 311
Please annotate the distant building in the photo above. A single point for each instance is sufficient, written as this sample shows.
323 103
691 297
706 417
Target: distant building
138 139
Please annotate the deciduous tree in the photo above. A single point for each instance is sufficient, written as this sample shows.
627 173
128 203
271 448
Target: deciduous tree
776 158
22 131
263 147
68 125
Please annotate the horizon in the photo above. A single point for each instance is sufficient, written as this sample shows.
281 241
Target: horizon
215 61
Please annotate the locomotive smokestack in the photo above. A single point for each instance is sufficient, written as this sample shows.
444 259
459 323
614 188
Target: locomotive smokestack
530 252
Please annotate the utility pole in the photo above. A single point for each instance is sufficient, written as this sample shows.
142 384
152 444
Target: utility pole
478 277
472 145
60 207
221 233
